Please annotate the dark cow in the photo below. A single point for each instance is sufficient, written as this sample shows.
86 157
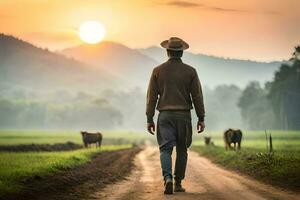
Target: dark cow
208 141
233 136
90 138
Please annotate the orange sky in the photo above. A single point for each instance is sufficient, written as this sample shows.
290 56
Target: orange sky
247 29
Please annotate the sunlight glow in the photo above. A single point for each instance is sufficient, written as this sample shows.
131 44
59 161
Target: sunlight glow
92 32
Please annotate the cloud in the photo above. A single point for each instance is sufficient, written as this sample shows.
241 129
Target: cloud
182 4
225 9
188 4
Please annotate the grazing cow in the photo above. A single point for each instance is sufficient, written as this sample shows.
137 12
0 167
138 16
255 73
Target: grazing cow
90 138
233 136
208 141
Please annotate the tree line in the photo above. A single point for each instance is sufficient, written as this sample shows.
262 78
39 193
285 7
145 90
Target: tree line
277 104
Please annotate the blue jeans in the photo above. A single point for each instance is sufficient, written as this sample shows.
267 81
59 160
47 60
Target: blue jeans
174 129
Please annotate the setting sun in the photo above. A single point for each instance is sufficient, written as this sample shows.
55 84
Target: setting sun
92 32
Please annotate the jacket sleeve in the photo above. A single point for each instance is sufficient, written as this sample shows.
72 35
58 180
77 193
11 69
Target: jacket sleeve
152 96
197 96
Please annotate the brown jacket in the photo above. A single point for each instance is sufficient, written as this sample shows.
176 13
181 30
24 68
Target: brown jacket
175 85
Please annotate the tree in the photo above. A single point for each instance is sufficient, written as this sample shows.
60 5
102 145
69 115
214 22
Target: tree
296 54
285 93
255 107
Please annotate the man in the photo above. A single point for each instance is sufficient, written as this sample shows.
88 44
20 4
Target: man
175 85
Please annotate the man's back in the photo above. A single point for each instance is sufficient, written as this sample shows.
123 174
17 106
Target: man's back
175 83
174 79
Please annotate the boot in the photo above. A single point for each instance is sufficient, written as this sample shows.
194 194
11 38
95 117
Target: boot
168 186
178 187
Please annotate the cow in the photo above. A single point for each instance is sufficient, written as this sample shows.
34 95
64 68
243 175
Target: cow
90 138
208 141
233 136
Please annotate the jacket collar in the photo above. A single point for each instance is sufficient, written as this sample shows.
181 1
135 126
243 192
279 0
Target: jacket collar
175 59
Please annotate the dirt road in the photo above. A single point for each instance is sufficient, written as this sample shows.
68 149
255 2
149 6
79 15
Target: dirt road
204 180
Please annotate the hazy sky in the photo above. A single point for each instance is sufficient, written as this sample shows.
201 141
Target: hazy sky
254 29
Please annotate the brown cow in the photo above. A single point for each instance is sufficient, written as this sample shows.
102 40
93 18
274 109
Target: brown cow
233 136
90 138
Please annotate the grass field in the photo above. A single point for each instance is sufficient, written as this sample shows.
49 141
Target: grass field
15 137
256 139
282 168
16 167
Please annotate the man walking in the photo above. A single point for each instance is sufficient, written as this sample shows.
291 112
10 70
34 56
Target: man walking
175 86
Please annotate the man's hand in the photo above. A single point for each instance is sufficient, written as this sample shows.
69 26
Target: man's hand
151 128
200 127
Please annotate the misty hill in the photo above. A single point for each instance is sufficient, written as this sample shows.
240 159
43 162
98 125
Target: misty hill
126 64
24 65
216 71
134 66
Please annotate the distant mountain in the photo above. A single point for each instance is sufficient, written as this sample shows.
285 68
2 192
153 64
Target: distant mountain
112 65
24 65
215 70
126 64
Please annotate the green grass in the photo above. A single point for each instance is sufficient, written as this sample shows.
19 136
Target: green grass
18 166
15 167
14 137
281 169
282 140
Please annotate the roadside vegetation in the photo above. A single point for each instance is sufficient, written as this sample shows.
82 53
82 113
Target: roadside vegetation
280 168
19 167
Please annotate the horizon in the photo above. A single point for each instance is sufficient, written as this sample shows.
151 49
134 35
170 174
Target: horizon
149 47
248 30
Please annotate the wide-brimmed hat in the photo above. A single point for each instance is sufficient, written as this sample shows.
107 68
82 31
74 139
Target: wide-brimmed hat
175 44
